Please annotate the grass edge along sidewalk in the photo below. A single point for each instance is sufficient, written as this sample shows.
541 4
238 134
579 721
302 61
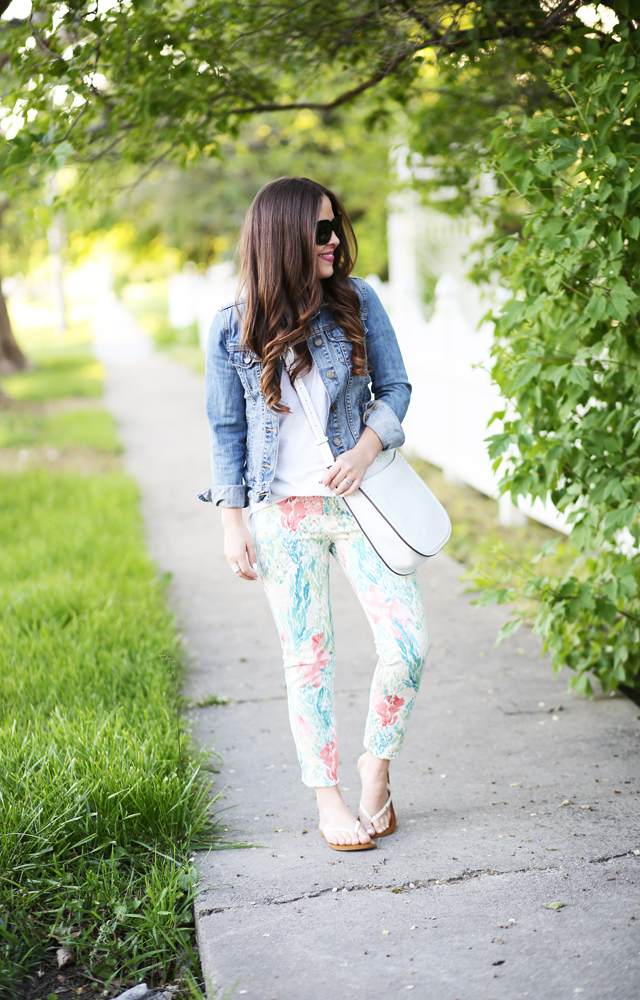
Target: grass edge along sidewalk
102 797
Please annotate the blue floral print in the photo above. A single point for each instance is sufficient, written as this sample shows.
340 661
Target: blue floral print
294 540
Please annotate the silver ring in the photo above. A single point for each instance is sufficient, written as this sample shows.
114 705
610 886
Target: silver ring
236 568
348 481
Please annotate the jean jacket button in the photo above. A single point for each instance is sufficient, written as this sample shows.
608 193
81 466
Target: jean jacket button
331 374
318 341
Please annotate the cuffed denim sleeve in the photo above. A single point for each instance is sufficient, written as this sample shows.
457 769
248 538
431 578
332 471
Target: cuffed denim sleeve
389 382
226 414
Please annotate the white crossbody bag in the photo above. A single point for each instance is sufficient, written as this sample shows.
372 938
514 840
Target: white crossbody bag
396 510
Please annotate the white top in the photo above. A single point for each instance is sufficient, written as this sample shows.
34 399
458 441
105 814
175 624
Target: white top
299 465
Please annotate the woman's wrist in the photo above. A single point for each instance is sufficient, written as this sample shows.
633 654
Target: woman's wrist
231 517
348 471
239 549
369 445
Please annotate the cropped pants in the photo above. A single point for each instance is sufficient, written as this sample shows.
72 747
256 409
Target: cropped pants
293 542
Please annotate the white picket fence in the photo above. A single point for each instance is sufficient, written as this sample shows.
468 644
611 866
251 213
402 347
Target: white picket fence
447 355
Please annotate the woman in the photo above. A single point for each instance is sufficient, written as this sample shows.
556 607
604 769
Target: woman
297 251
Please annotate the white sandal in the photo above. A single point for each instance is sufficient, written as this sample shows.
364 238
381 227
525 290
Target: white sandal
346 847
372 819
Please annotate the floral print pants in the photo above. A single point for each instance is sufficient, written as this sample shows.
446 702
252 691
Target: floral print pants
293 542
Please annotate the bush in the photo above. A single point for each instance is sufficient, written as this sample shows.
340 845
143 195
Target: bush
567 349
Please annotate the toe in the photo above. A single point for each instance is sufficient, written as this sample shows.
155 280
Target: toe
366 826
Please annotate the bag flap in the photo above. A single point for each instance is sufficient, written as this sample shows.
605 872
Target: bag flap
408 504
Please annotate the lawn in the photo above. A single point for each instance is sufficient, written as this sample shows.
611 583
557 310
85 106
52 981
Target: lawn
102 798
57 375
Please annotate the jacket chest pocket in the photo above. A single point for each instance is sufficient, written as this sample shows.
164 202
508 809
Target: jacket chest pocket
249 368
340 344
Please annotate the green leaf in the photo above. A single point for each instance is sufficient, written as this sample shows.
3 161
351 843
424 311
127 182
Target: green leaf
527 372
632 226
496 415
615 241
621 296
62 152
554 906
556 373
489 596
509 629
632 95
498 443
596 306
548 549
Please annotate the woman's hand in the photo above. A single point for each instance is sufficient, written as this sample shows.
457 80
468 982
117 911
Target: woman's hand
347 472
239 549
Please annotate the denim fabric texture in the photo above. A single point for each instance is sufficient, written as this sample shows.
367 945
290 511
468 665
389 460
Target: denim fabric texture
244 432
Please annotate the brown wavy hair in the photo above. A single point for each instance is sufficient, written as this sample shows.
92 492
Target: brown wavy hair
280 289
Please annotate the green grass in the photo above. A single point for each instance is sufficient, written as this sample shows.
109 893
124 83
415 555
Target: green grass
65 429
102 797
43 339
56 376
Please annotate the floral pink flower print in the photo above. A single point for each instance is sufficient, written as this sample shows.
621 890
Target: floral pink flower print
292 512
313 671
383 608
387 708
298 598
303 726
329 754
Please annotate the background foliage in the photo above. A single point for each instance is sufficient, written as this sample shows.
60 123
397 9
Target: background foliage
544 101
567 347
148 80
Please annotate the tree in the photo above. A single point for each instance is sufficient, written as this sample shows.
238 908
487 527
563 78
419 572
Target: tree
169 78
11 357
143 83
567 349
199 209
558 129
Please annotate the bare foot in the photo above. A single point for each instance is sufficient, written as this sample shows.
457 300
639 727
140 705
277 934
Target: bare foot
374 775
337 822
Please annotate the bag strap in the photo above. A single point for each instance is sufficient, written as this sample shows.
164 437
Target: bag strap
321 438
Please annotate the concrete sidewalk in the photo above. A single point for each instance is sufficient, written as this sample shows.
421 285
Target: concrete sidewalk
510 793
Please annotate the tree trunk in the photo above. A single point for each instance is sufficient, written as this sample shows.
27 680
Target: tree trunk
11 357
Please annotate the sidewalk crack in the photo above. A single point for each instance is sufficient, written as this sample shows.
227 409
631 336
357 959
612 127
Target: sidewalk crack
611 857
413 886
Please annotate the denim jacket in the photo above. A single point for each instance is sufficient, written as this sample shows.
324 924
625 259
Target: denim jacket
244 432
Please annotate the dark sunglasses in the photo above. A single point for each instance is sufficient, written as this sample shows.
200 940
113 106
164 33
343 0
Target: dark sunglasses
327 226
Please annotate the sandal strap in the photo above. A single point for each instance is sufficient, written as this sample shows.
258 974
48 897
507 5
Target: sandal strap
342 829
380 812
